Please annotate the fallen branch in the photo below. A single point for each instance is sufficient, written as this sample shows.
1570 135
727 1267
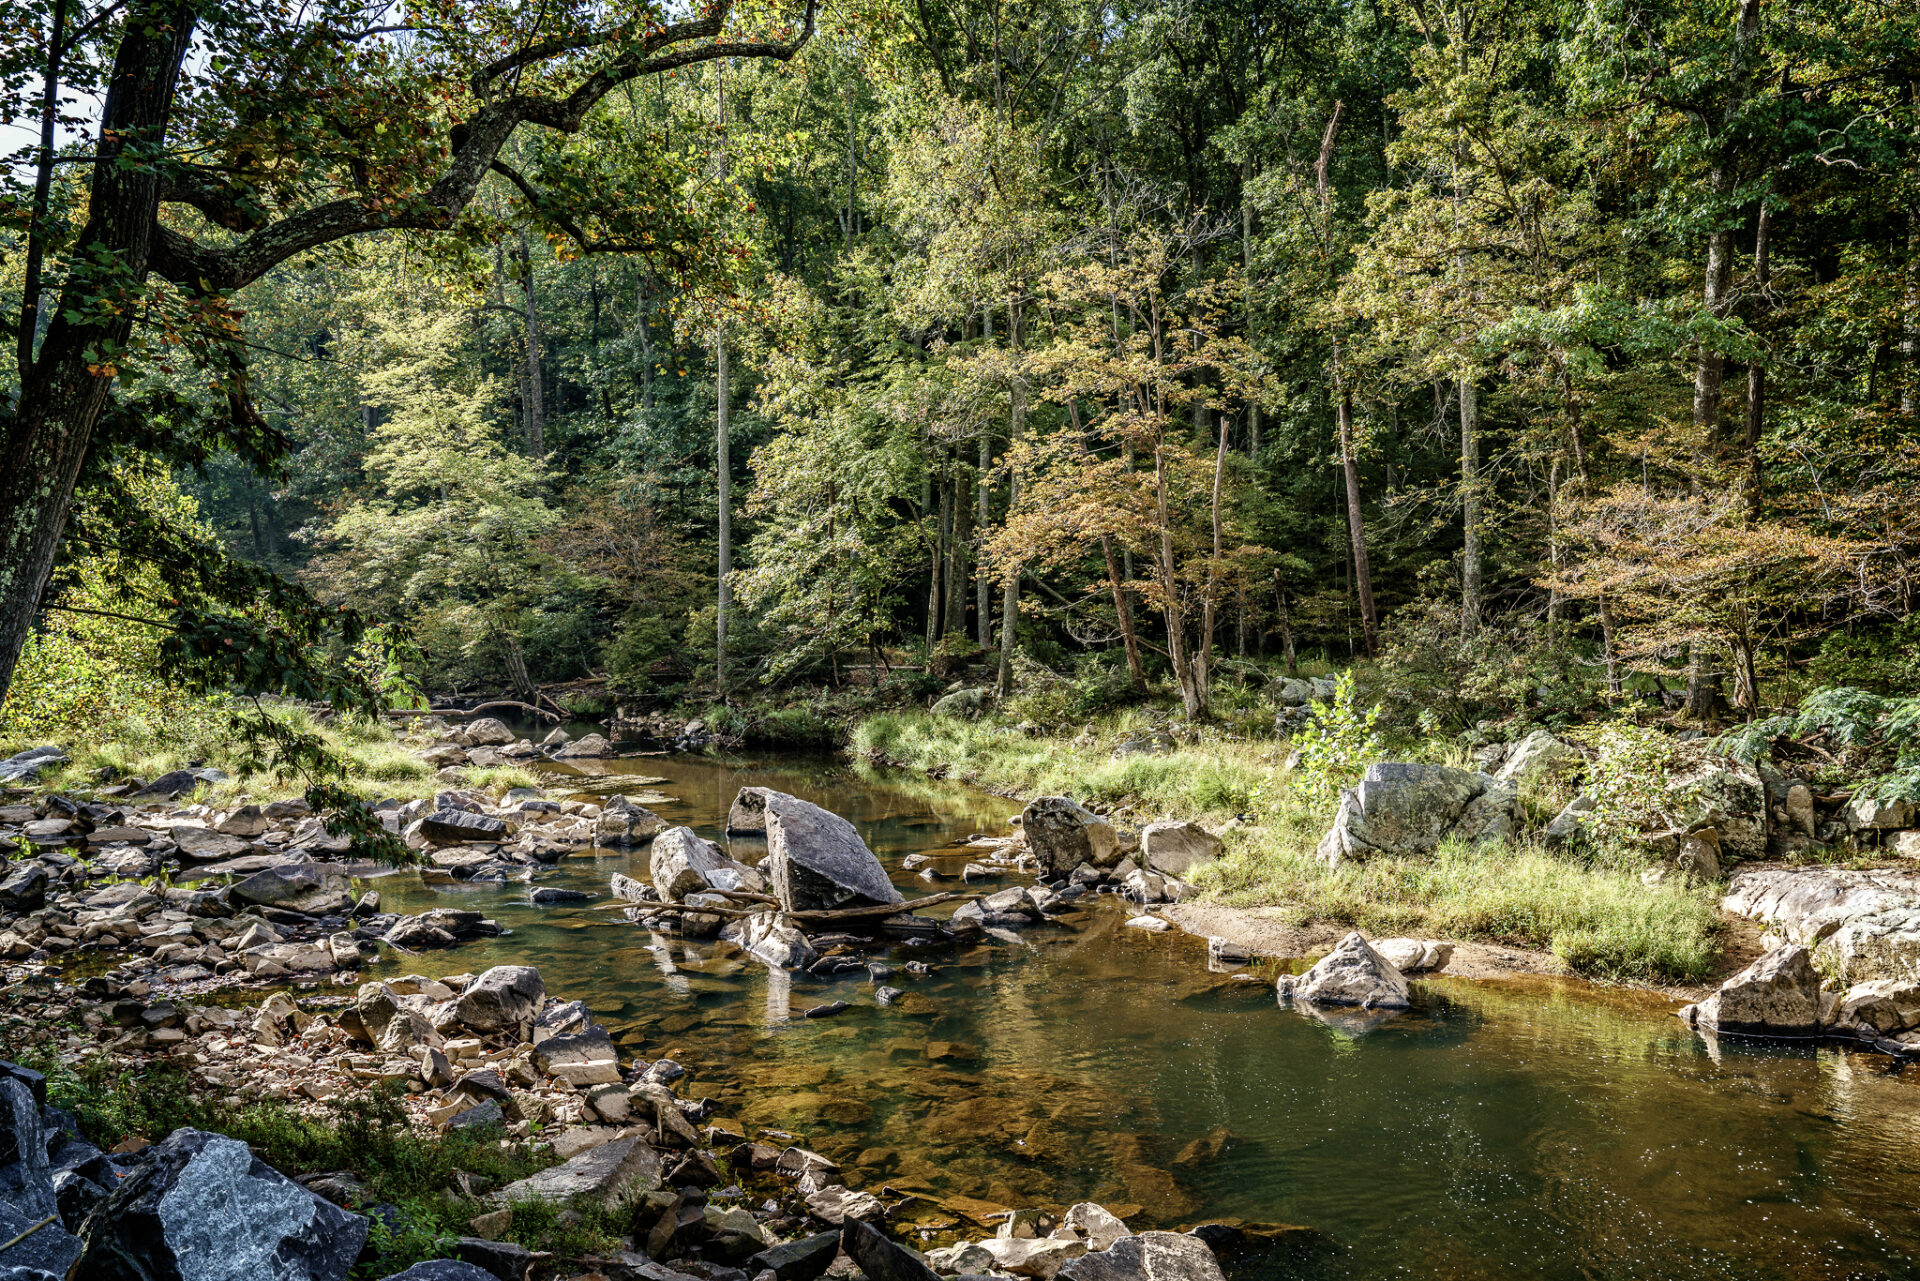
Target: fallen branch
472 711
29 1232
822 916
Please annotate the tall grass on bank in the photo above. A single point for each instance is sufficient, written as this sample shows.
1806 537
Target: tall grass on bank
1597 921
1216 779
376 764
1595 916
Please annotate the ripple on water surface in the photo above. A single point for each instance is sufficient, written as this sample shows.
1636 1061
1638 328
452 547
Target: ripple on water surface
1524 1129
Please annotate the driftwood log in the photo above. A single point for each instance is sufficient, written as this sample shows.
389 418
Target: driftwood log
824 916
472 711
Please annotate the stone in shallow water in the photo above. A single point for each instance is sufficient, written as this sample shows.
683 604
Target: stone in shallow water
1150 1256
1352 974
1778 995
818 860
802 1260
202 1207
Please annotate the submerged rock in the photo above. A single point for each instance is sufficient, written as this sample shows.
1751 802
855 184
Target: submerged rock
771 939
1778 995
1352 974
203 1207
818 861
1401 809
1063 834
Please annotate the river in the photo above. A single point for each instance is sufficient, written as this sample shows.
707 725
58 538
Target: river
1514 1129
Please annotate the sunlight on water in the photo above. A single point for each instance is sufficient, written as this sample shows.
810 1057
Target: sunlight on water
1525 1129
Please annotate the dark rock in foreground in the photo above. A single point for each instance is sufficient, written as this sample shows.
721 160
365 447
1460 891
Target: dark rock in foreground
202 1207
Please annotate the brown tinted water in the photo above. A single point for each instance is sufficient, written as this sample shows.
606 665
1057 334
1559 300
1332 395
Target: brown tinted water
1530 1129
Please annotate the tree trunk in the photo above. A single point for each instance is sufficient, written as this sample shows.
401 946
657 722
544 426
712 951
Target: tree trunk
1756 372
942 541
1470 508
724 505
1285 618
1193 695
535 423
1611 654
1203 659
1363 575
45 439
983 517
1010 593
957 557
1910 327
1123 611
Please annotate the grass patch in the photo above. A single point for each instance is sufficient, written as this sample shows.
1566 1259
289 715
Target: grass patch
1593 914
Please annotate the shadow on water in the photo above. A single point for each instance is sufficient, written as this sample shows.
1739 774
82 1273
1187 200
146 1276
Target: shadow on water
1517 1129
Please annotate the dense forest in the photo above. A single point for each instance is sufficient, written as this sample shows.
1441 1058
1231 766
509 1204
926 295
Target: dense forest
1550 353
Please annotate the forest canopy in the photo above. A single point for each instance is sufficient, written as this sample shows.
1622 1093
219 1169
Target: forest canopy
1546 352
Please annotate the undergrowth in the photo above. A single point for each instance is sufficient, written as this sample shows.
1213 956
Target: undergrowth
1592 911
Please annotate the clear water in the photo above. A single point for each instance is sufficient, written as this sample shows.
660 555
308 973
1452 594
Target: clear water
1517 1130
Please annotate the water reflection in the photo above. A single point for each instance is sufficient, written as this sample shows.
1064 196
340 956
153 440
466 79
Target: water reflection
1519 1129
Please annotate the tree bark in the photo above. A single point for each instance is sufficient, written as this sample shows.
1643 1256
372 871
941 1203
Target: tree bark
1010 592
982 585
962 538
1285 618
1362 574
724 472
535 408
1756 372
1123 611
45 439
1470 508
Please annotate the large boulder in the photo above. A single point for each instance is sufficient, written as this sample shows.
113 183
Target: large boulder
748 815
581 1059
1177 848
502 999
818 861
26 766
683 863
314 888
1884 1007
878 1258
962 704
622 822
203 1207
45 1253
1861 925
1408 810
1063 834
587 747
443 1270
1778 995
772 940
1536 758
1148 1256
487 731
26 1178
454 826
1352 974
1730 799
204 845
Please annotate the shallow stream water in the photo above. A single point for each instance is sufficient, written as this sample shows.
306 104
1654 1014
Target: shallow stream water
1519 1129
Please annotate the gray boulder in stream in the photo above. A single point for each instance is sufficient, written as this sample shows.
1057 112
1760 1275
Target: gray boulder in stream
682 863
1778 995
817 860
1063 834
203 1207
1352 974
1147 1256
1408 809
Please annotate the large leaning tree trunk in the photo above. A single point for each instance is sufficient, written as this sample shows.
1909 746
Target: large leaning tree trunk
139 167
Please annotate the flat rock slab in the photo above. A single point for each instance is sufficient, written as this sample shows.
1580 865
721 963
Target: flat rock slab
605 1173
1860 925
